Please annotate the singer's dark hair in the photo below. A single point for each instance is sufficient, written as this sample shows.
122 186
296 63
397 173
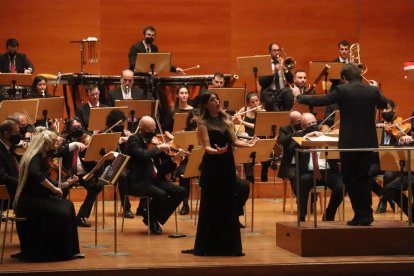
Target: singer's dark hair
148 28
12 42
36 80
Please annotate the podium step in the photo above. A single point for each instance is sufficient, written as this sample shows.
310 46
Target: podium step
338 239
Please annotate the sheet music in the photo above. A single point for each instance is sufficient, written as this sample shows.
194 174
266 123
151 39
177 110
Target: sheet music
323 138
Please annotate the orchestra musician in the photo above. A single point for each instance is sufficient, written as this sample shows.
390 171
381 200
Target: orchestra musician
83 112
217 82
218 230
39 88
310 162
150 178
146 45
357 102
14 62
288 94
127 90
49 232
9 166
73 153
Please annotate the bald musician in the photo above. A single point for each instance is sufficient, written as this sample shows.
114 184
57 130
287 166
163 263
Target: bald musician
126 91
146 172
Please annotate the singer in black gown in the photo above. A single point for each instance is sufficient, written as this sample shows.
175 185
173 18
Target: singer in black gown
218 232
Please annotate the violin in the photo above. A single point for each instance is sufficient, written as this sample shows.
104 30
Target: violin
397 126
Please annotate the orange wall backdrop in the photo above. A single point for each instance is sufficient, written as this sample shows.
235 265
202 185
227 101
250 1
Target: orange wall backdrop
214 33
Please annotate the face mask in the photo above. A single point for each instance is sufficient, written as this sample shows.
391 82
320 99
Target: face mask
23 131
148 136
192 125
311 129
388 116
77 133
149 40
15 139
296 127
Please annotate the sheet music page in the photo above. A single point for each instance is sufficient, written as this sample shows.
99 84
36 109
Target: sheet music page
323 138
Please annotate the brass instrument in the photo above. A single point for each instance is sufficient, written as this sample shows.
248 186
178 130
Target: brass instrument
287 63
355 57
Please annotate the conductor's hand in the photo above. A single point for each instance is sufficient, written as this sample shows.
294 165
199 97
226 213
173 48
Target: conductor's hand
220 150
373 83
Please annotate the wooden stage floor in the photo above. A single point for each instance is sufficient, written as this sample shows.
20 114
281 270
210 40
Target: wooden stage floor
161 255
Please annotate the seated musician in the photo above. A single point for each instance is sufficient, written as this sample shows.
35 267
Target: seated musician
288 94
217 82
25 135
73 153
9 166
181 105
14 62
287 165
39 88
390 136
83 112
127 90
307 166
146 174
392 190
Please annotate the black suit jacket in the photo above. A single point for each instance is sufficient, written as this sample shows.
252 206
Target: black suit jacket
8 171
116 94
67 157
357 103
285 139
83 113
140 48
22 62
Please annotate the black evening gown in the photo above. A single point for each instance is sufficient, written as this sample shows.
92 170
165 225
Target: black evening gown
49 232
218 232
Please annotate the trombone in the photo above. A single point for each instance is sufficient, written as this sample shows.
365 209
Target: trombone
355 57
287 63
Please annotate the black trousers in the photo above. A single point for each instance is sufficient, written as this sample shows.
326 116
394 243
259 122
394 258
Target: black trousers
358 182
122 183
334 182
242 194
392 191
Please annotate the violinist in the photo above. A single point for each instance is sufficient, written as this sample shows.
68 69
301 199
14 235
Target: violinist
25 136
73 153
9 166
390 136
145 174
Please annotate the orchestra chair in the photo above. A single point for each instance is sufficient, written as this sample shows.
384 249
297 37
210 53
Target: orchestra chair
148 200
5 197
320 190
287 186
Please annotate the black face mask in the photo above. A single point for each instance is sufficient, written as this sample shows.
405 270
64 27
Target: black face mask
118 129
148 136
296 127
15 139
149 40
388 116
311 129
77 133
23 131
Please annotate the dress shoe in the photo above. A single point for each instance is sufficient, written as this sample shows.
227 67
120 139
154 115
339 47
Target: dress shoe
79 256
185 210
353 222
155 228
128 214
366 221
241 225
82 222
382 207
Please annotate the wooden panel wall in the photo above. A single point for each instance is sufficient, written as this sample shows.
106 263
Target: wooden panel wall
214 33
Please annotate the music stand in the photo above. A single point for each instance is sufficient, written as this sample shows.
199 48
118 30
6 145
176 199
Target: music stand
99 145
29 107
50 108
97 117
153 62
117 167
137 109
180 120
267 122
334 72
260 65
186 139
231 99
258 153
303 108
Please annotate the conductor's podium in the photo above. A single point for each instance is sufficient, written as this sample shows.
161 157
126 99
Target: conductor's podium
383 237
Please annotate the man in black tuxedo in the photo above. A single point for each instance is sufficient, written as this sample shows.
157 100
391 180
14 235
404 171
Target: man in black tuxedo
357 103
126 91
286 133
9 167
288 94
73 162
274 83
146 46
14 62
84 110
146 174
